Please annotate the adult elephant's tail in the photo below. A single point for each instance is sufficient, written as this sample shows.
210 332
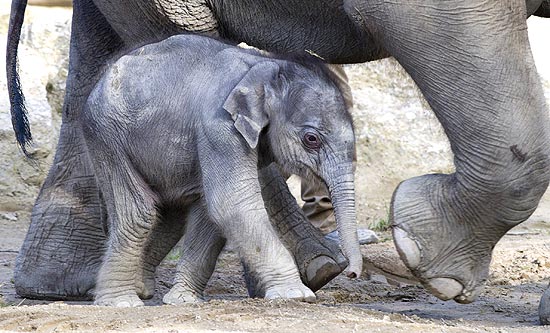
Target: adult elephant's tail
19 118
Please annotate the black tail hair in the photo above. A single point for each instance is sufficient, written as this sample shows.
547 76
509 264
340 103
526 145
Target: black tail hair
19 119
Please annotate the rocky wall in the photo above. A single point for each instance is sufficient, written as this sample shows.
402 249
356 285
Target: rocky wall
43 66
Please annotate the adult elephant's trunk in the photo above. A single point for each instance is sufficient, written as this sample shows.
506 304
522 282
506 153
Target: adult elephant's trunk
340 182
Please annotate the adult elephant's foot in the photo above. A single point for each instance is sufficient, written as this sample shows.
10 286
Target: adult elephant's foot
180 293
296 291
544 307
64 245
446 235
315 272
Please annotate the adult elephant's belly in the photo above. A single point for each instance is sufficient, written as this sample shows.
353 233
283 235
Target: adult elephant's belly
318 27
138 21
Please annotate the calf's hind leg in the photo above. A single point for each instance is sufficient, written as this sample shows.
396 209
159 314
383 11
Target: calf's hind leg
132 214
202 245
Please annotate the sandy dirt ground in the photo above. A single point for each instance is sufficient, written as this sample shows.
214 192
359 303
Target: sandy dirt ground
383 300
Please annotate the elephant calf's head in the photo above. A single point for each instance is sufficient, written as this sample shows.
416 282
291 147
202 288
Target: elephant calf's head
303 112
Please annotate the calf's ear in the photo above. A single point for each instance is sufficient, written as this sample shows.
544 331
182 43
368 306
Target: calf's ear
246 102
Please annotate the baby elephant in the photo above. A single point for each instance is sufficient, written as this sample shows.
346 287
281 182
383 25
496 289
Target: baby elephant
180 130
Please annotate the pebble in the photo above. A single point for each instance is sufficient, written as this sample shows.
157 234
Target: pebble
379 278
9 216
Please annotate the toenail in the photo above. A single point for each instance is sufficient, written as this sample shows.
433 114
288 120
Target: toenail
445 288
408 249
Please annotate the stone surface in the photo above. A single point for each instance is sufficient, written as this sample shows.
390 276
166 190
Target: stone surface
43 64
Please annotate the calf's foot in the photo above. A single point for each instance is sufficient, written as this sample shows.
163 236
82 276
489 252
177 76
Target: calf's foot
296 291
114 288
180 293
125 300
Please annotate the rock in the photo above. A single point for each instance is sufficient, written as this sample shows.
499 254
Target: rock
383 260
9 216
43 61
378 278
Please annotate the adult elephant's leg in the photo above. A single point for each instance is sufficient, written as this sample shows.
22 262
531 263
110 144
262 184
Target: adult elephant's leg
63 248
318 259
472 61
544 307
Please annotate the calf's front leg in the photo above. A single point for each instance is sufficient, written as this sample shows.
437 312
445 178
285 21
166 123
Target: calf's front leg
234 202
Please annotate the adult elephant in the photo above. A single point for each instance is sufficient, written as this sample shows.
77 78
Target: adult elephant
466 56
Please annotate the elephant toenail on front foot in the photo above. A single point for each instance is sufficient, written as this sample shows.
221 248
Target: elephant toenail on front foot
408 249
463 299
468 296
445 288
126 301
304 295
272 295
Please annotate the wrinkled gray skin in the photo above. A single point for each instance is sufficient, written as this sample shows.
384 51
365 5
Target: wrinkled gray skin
470 59
194 146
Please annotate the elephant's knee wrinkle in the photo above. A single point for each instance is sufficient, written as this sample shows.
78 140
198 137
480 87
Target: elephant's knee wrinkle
519 183
533 178
518 195
522 200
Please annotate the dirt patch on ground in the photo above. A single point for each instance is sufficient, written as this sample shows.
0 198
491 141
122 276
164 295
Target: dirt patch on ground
386 300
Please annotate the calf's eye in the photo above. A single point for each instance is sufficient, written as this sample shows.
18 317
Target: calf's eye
311 140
